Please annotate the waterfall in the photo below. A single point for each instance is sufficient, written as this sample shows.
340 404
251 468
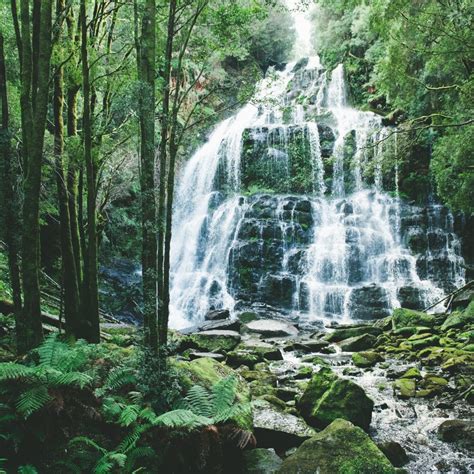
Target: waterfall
284 209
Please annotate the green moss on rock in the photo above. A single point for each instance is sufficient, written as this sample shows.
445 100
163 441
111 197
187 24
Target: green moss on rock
341 448
403 317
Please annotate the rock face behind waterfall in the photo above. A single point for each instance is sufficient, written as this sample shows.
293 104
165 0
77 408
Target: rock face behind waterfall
294 211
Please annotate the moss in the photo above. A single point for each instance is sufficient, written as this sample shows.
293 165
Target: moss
405 388
366 359
341 448
403 317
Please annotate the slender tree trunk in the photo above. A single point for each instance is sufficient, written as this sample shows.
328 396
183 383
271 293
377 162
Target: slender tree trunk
8 200
36 122
146 71
162 312
70 282
91 294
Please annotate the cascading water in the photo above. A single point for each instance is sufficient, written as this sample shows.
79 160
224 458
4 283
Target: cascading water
284 208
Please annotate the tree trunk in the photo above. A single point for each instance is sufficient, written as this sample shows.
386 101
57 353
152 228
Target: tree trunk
8 199
92 329
162 312
35 124
146 71
70 282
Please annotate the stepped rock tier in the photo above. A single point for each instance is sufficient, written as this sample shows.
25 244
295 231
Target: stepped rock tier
292 207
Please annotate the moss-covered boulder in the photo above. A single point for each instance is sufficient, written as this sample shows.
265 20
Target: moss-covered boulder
207 372
403 317
366 359
345 332
216 340
261 461
341 448
459 319
404 388
358 343
328 397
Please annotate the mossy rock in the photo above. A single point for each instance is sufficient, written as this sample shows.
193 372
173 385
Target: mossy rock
238 358
339 334
403 317
459 319
341 448
216 340
328 397
405 388
412 373
358 343
207 372
261 461
366 359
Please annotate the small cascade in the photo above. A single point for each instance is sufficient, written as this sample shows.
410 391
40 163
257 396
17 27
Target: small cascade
285 208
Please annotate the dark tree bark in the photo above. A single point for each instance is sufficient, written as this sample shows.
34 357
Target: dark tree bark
69 273
8 201
91 329
34 125
146 72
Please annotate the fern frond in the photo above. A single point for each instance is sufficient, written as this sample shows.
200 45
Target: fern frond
223 395
90 443
118 378
104 465
241 413
132 438
78 379
12 371
183 419
136 455
148 414
129 415
32 400
51 350
199 401
66 466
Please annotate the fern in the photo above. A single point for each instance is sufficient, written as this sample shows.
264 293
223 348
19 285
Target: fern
223 395
198 401
27 469
51 351
183 419
129 415
117 379
10 371
32 400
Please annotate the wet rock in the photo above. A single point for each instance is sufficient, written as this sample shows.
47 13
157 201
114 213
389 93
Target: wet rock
271 328
464 298
458 431
409 297
210 355
224 324
366 359
237 358
217 315
459 319
345 332
369 302
358 343
277 429
394 452
266 350
216 340
261 461
403 317
328 397
404 388
279 290
412 373
307 346
341 448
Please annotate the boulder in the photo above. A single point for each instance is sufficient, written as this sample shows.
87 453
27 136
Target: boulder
459 319
459 431
403 317
405 388
358 343
217 315
261 461
221 324
464 298
216 340
307 346
274 428
237 358
369 302
328 397
341 448
207 372
394 452
345 332
210 355
271 328
366 359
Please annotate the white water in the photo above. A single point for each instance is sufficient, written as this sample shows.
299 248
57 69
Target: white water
356 236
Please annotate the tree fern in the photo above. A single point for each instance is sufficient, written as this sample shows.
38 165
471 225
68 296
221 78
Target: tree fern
183 419
223 395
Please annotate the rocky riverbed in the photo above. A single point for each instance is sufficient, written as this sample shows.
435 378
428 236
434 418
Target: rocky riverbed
393 395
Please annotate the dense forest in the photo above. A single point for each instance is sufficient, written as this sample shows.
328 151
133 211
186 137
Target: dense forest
236 236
